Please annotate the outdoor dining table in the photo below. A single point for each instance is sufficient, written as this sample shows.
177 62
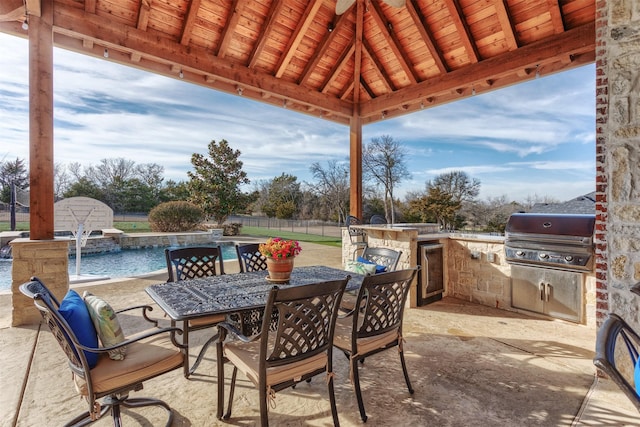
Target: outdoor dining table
234 293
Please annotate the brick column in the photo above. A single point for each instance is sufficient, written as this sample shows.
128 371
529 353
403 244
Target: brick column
46 259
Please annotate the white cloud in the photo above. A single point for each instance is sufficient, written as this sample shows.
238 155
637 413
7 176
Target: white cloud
516 140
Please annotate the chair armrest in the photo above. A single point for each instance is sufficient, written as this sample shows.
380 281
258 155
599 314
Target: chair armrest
145 309
136 338
226 327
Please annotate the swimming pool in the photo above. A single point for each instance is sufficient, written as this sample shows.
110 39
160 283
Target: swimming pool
124 263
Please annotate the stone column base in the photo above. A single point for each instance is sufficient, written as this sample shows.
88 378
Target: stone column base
46 259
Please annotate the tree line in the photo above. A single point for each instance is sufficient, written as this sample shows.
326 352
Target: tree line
217 181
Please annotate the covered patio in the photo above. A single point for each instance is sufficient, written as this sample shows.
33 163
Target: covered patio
369 63
469 364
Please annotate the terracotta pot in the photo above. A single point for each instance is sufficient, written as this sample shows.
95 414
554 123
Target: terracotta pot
280 269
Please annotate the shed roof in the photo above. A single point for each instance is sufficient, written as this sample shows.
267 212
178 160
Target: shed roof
373 61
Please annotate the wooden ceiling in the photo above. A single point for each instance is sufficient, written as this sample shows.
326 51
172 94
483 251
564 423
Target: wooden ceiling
374 60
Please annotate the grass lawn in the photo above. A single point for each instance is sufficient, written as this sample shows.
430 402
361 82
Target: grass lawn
143 227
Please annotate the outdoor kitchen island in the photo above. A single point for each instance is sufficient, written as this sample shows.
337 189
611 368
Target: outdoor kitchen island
473 266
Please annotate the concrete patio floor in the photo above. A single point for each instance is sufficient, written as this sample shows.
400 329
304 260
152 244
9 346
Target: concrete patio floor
470 365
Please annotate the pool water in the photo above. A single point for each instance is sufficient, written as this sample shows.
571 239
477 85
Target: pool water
125 263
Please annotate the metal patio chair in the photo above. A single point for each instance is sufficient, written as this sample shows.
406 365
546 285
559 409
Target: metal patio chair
382 256
617 354
357 236
250 258
150 354
377 324
378 219
297 348
191 263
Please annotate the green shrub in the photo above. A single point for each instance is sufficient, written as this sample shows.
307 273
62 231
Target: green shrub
175 216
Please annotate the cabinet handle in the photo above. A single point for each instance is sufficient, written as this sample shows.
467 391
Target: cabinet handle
541 288
547 291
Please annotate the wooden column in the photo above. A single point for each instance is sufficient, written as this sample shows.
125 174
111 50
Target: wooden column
41 123
355 123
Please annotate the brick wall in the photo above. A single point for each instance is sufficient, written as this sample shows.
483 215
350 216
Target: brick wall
617 157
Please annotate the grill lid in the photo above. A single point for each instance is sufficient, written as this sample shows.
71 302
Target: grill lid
551 224
553 240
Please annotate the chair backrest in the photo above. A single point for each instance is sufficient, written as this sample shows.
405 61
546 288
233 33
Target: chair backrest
355 234
48 305
617 352
304 322
378 219
381 302
250 258
193 262
382 256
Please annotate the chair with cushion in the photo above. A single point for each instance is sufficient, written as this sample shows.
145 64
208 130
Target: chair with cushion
297 347
386 258
250 258
109 372
357 236
377 324
192 263
617 355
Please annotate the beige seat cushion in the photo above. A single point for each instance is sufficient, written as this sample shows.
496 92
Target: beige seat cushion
342 337
245 357
205 321
145 359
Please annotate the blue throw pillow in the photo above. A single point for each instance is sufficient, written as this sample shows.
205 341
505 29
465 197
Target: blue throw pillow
74 311
636 377
379 268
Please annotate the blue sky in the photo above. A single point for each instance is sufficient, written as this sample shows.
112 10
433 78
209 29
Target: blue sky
531 140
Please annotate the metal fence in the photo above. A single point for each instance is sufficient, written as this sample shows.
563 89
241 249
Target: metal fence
319 228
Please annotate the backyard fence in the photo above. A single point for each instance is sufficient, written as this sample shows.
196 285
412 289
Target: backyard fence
315 227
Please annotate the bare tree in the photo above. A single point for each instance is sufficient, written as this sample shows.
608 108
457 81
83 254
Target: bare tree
332 185
457 184
383 161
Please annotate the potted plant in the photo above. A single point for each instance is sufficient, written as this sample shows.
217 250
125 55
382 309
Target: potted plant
280 254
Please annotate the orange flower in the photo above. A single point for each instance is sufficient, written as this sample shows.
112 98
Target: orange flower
279 248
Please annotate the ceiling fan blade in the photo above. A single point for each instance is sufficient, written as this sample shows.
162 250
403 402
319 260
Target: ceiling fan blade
395 3
343 5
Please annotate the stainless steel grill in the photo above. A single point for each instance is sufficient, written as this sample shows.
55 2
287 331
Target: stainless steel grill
559 241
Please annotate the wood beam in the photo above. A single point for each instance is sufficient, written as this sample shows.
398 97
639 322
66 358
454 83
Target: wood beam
455 10
41 162
378 67
321 51
340 64
506 23
392 41
426 35
229 28
189 21
296 38
574 42
269 23
556 16
78 24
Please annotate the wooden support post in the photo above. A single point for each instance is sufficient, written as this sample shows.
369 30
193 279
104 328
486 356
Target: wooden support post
41 123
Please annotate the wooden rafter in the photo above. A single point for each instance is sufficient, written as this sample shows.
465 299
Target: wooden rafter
506 23
189 21
392 41
378 66
463 31
426 35
324 45
556 16
229 28
340 64
295 40
270 21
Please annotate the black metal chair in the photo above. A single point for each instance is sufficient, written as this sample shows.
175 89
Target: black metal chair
250 258
296 348
617 353
357 236
150 354
192 263
376 325
378 219
382 256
